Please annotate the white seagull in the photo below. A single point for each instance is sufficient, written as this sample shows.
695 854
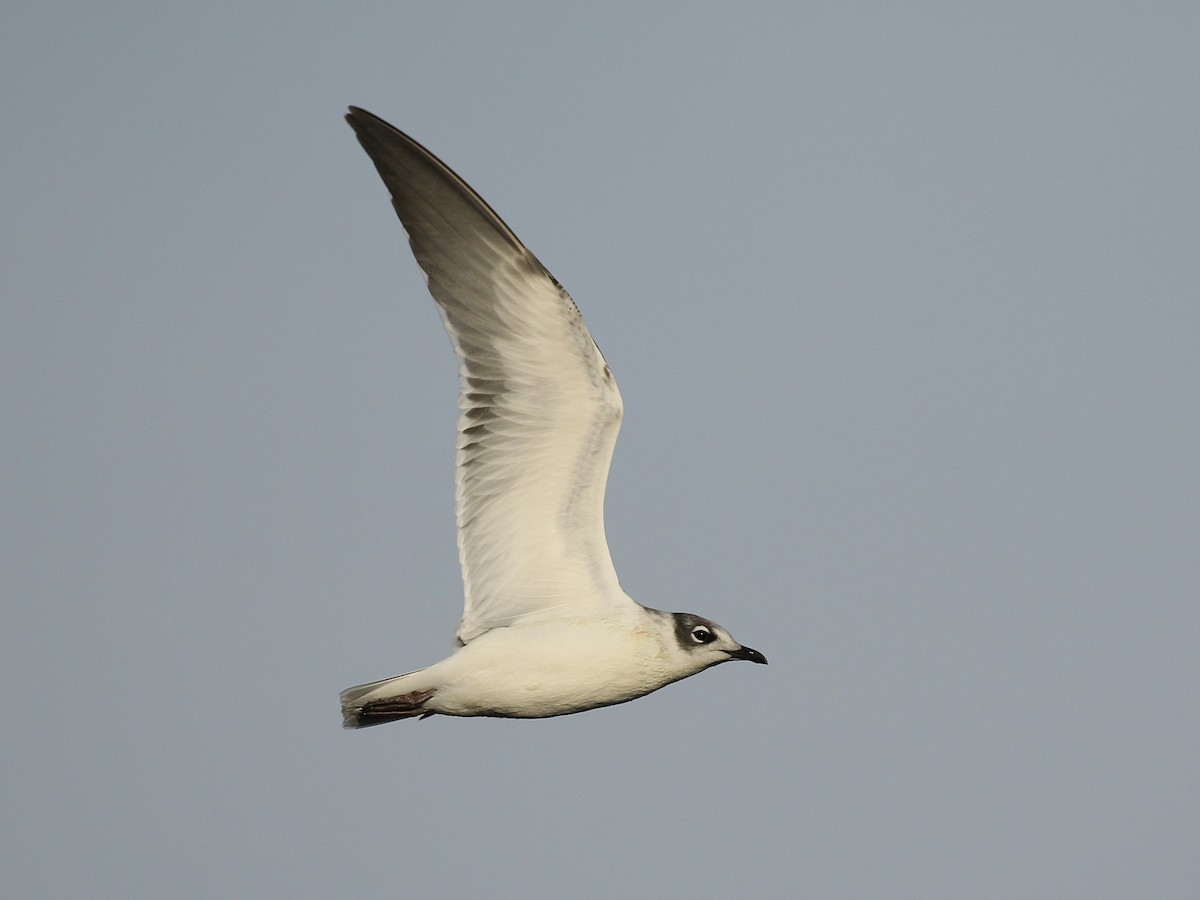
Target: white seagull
546 629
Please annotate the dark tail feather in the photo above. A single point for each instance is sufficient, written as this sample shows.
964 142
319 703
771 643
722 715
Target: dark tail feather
385 709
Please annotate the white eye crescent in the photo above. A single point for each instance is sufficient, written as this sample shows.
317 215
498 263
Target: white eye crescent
701 634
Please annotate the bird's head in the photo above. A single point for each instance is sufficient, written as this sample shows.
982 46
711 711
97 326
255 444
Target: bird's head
700 643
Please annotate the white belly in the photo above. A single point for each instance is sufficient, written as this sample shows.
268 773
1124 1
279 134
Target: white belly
548 670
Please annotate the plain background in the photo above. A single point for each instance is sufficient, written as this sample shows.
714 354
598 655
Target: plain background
904 301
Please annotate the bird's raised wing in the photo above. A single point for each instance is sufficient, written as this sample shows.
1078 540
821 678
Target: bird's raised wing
539 409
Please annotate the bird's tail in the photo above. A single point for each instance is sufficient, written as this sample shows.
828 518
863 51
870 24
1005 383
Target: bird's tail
383 701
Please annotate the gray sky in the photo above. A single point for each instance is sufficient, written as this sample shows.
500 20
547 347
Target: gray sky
904 302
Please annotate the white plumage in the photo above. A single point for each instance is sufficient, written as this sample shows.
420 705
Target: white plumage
546 629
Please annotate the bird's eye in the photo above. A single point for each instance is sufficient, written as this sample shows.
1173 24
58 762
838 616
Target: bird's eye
702 635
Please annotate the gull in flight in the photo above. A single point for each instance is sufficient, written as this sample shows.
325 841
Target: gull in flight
546 629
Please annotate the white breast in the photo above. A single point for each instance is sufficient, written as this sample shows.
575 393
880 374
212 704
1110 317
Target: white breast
550 669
